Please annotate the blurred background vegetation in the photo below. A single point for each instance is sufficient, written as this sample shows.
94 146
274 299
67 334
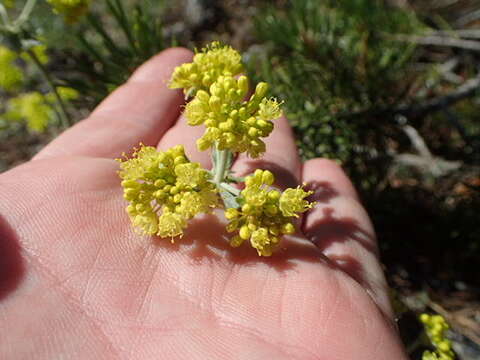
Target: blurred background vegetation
388 88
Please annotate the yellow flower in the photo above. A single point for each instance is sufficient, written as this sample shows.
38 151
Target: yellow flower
171 224
165 190
11 76
262 219
66 93
232 123
293 201
72 10
36 109
435 327
208 65
31 107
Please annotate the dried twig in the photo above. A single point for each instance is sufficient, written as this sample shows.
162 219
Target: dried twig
417 110
424 160
441 41
465 326
462 33
466 90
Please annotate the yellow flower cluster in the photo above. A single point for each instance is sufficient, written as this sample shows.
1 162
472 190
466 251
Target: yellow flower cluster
31 107
11 76
265 214
165 190
35 108
435 326
208 65
231 122
72 10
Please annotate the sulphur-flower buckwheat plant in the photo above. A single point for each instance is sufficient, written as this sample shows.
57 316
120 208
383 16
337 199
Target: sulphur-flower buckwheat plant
165 190
435 327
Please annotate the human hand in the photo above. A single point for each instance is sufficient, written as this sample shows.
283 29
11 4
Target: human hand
77 282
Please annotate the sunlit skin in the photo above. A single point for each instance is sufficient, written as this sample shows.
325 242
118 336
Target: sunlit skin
76 282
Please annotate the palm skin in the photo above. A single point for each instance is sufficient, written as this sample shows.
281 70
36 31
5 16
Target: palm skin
76 282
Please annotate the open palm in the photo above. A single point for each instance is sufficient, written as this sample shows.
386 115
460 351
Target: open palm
76 282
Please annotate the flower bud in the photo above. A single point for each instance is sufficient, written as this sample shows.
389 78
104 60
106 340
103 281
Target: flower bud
288 229
244 232
242 83
231 213
261 90
236 241
267 177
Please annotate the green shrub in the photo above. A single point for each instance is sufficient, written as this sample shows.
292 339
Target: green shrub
336 62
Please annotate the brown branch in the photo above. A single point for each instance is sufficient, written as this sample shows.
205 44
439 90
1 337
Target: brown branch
464 91
417 110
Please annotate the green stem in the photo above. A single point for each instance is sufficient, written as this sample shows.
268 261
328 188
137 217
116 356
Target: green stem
230 188
236 179
220 166
65 118
25 14
3 15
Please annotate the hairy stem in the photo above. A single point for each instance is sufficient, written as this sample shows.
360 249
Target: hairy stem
230 189
220 165
25 14
3 15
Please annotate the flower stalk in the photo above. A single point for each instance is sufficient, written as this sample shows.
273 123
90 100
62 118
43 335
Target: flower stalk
220 169
64 117
25 14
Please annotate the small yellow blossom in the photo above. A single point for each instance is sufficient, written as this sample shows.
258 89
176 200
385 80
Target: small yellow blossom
208 65
36 109
165 190
232 123
72 10
261 218
66 93
31 107
11 76
293 202
436 326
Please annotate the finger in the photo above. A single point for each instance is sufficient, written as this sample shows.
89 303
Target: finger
281 157
139 111
186 135
340 227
